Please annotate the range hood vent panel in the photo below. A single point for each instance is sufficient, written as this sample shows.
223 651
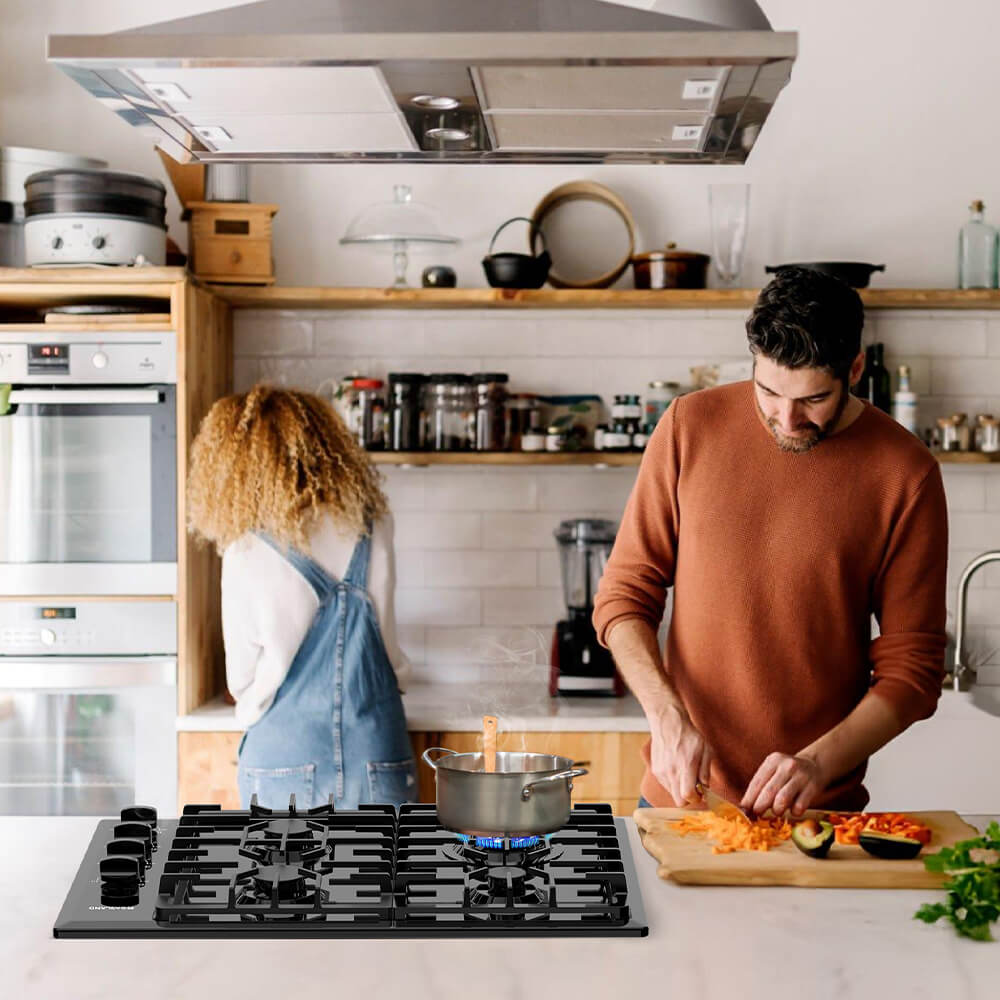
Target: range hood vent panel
553 81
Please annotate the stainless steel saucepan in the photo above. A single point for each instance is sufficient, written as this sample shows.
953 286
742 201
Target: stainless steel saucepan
528 794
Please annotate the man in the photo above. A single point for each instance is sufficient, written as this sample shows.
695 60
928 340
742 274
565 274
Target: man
784 512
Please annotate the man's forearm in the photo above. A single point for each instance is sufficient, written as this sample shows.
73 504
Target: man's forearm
637 655
868 728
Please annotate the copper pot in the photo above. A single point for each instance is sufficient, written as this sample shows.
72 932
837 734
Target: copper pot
670 268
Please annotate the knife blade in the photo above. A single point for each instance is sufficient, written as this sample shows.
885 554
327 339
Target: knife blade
722 806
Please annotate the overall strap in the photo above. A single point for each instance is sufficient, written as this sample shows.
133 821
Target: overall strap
321 582
357 571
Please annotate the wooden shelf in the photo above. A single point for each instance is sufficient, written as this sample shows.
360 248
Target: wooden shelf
592 458
588 458
281 297
967 457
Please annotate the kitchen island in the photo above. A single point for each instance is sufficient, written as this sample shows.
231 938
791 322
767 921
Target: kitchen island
703 942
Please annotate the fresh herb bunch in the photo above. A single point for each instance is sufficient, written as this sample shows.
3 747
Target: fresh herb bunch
973 887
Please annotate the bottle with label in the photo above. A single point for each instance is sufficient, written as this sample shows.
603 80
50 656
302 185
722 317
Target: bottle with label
619 437
977 251
904 402
880 385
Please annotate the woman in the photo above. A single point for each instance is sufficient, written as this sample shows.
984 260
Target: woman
288 497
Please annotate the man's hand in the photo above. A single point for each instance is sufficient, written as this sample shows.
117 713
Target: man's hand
784 783
679 755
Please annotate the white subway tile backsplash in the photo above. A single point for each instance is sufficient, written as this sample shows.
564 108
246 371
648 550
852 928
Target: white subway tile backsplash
433 530
470 489
956 336
480 569
695 338
538 606
411 567
261 334
479 587
245 374
592 489
381 334
964 488
517 530
427 607
954 377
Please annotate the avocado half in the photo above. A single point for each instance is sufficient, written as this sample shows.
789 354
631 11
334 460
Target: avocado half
890 846
813 837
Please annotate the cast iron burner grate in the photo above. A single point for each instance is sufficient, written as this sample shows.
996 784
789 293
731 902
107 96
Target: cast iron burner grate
365 872
569 879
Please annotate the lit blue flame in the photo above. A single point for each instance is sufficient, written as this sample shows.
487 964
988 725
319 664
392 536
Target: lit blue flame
497 843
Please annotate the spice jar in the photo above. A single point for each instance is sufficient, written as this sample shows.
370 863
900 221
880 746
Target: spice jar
618 437
370 431
989 432
555 438
533 439
450 411
523 413
405 412
491 410
948 437
964 431
659 396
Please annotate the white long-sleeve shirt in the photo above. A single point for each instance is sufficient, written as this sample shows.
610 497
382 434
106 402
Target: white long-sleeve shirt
267 608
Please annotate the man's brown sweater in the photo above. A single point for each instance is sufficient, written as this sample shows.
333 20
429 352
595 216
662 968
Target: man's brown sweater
778 560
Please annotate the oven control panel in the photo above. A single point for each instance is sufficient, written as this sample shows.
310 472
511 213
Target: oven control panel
88 628
79 358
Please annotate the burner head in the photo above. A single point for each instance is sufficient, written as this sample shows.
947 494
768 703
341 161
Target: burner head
289 881
506 880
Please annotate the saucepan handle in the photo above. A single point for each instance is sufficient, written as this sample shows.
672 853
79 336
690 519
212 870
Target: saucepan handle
433 763
572 773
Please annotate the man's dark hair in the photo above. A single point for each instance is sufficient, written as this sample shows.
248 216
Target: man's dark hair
806 319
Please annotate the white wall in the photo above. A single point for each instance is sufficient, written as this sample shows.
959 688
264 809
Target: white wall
873 152
477 562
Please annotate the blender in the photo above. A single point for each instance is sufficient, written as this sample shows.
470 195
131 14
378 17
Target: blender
580 664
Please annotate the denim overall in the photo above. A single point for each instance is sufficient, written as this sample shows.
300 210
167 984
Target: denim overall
336 726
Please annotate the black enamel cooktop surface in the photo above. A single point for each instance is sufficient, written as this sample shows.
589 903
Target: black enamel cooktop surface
370 872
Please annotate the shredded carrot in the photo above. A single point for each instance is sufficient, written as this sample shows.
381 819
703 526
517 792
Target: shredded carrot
848 827
735 833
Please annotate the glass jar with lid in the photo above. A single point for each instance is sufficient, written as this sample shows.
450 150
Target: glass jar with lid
659 395
491 410
404 405
370 405
988 432
451 414
523 412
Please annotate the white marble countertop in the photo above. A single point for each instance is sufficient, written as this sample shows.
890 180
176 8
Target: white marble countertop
705 943
520 707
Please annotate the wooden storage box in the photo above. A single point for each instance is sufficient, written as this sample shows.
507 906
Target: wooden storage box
230 242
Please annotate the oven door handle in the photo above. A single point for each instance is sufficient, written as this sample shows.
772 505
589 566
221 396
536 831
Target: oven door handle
85 396
85 673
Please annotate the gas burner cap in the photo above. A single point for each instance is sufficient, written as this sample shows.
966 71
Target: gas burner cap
506 880
289 880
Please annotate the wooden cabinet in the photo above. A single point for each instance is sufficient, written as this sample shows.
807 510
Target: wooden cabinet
208 763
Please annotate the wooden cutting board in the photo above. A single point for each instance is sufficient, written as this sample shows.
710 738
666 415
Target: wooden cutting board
689 860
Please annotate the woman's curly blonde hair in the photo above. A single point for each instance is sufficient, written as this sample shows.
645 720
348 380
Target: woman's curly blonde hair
275 460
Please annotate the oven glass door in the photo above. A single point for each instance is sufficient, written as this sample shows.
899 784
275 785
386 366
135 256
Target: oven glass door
86 739
88 475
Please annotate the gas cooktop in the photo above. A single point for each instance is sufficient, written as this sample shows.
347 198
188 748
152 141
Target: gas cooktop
369 872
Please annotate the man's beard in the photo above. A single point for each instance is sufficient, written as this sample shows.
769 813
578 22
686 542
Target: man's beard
812 433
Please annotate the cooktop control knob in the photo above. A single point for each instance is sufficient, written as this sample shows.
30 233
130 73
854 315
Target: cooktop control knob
47 636
57 242
99 242
141 814
139 832
131 849
120 881
100 360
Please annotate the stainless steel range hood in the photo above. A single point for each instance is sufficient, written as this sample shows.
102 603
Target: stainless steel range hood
456 81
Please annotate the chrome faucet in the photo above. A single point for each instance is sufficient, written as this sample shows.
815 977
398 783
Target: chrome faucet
961 674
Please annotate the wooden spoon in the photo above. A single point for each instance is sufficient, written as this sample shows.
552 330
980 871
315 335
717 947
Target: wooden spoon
490 743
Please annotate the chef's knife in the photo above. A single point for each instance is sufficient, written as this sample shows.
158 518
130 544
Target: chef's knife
722 806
